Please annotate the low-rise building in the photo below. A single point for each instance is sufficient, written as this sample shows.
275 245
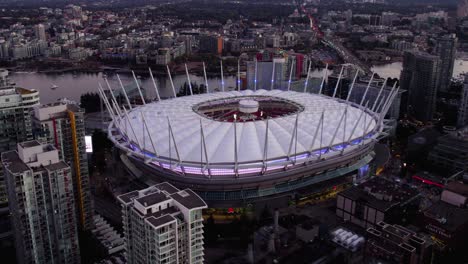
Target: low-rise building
376 200
447 219
395 244
451 151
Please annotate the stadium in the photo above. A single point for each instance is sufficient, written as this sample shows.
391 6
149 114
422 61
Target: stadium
238 146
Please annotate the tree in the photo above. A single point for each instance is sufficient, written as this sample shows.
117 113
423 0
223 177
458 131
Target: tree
196 89
90 102
210 230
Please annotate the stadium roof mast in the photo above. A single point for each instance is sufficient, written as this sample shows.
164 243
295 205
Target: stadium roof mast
307 78
384 102
172 83
378 95
294 139
389 102
338 82
206 79
109 108
238 75
290 75
325 76
110 89
154 84
188 79
222 76
355 126
106 102
273 75
149 134
113 99
203 149
265 147
343 116
235 148
124 92
138 87
255 78
120 115
131 126
352 85
367 89
320 125
171 135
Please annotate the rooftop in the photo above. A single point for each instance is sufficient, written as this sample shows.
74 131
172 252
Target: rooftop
457 187
161 220
25 91
57 166
380 193
189 199
449 216
153 198
169 188
30 144
126 198
13 163
150 195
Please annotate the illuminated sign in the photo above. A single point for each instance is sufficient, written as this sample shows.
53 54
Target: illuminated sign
437 231
89 144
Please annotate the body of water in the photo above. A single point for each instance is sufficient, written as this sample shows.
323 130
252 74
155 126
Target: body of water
72 86
393 70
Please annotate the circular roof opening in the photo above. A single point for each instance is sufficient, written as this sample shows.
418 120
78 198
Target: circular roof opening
247 108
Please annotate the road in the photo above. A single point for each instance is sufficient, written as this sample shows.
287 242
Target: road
109 210
345 54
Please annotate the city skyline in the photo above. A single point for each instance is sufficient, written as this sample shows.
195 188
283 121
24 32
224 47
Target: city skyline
213 131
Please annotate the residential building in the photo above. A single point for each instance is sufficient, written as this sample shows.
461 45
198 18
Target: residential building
462 8
420 77
446 48
163 57
16 105
62 125
39 32
462 117
211 43
41 202
163 224
260 74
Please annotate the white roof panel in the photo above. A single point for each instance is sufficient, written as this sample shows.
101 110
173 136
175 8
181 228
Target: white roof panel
219 135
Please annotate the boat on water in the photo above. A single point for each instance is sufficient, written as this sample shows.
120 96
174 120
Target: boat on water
53 87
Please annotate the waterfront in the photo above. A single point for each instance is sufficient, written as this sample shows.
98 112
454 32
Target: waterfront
72 86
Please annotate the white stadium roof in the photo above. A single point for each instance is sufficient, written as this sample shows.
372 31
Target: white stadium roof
186 144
